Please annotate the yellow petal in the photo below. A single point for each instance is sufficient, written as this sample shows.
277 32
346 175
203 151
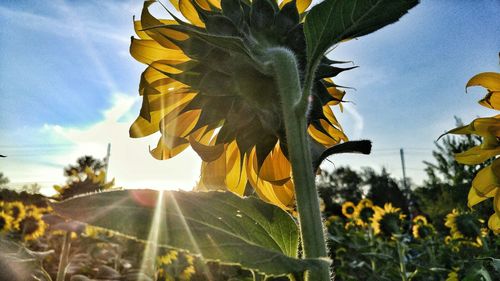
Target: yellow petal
189 12
175 3
474 198
276 168
491 100
168 147
236 174
302 5
149 51
213 174
494 223
476 155
487 179
279 195
181 125
488 80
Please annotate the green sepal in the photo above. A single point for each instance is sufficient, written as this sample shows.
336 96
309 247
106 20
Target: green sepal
262 14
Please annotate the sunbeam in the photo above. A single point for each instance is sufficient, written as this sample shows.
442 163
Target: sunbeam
150 252
190 235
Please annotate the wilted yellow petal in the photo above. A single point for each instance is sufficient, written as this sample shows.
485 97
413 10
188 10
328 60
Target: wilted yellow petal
488 80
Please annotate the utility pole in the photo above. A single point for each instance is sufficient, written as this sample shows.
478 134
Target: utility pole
106 162
402 153
405 184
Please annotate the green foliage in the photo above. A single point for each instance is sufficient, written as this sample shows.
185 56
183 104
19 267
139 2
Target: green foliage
383 188
219 226
3 180
332 21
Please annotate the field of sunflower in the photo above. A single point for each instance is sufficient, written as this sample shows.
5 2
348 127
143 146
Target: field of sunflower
248 86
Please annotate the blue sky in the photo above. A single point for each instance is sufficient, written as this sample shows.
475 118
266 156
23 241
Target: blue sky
69 87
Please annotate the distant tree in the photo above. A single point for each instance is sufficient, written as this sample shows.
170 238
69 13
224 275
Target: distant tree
382 188
86 177
82 165
3 180
33 188
340 185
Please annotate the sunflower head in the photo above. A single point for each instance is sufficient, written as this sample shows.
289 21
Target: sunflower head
17 211
465 227
421 229
209 85
452 275
32 226
387 221
348 209
364 212
175 265
5 222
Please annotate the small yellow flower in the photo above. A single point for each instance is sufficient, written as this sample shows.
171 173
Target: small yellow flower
348 209
387 221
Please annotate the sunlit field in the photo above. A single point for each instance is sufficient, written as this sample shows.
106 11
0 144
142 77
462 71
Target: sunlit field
224 140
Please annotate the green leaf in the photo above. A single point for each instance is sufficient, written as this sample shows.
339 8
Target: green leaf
219 226
332 21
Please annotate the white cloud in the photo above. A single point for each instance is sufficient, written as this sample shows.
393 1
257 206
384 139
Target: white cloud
130 163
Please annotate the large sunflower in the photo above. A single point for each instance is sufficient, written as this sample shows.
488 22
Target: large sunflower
387 221
486 184
208 85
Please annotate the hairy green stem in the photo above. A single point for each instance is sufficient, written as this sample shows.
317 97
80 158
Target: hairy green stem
402 264
311 228
64 256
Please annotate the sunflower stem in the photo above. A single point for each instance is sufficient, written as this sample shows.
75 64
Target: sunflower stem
310 222
63 258
402 264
